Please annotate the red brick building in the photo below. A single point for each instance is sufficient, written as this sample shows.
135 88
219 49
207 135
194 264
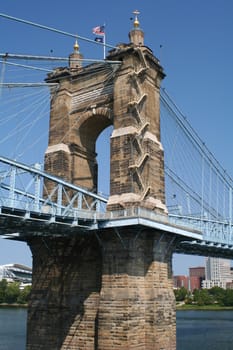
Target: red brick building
196 276
181 281
191 282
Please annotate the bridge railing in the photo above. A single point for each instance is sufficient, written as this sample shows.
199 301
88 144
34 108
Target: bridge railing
213 231
24 187
134 211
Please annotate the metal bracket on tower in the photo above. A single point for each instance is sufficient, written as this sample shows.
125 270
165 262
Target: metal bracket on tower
120 238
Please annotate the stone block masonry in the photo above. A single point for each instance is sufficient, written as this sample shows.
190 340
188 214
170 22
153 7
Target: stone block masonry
112 293
110 289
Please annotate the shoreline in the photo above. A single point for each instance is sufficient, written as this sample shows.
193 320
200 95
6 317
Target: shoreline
183 307
211 307
14 305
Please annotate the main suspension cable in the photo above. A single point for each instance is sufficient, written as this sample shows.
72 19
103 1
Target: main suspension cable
54 30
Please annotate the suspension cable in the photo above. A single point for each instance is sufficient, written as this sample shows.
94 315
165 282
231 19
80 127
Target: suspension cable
54 58
54 30
25 66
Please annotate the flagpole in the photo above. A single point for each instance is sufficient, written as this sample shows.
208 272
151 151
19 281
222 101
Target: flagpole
100 32
104 46
104 41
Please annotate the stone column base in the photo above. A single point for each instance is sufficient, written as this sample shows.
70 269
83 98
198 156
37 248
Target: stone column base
113 293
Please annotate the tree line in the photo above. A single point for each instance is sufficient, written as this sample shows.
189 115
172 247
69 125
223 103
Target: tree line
11 293
200 297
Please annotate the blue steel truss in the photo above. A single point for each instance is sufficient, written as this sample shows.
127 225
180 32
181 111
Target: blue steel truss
24 188
24 199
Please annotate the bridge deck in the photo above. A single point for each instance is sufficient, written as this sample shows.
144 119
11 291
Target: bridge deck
19 224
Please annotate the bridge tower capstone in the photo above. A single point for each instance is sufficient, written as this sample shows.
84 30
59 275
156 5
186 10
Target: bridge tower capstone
112 288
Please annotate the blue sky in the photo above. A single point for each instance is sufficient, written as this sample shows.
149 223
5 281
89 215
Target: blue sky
196 53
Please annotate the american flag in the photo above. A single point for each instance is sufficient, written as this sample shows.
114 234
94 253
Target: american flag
98 30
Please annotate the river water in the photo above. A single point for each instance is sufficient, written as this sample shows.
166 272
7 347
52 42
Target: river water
205 330
202 330
13 328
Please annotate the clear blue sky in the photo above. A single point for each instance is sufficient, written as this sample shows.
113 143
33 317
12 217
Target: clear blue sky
196 53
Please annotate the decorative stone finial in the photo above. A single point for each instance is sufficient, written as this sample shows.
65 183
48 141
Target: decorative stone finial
75 57
136 21
136 35
76 46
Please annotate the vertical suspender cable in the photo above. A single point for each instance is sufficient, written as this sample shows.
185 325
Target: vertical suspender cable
202 184
230 205
2 75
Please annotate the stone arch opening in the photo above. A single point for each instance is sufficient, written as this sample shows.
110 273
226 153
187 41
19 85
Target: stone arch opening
90 130
84 144
103 160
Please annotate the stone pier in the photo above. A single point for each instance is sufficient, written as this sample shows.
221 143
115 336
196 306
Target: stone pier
112 293
109 288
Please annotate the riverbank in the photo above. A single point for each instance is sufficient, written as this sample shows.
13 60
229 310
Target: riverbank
179 307
14 305
212 307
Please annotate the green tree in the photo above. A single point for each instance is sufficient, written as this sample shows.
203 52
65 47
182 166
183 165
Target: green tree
217 293
228 298
189 298
181 294
12 292
202 297
24 295
3 287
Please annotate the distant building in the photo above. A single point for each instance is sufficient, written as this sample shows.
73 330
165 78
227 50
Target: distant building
218 273
191 282
229 285
16 272
196 276
180 281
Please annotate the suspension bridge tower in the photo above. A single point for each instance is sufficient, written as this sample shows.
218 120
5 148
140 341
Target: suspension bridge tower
110 288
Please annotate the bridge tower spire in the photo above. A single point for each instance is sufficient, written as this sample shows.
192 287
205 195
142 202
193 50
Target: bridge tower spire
75 58
136 35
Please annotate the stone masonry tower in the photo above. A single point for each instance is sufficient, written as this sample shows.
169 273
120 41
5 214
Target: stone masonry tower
110 288
137 170
125 95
